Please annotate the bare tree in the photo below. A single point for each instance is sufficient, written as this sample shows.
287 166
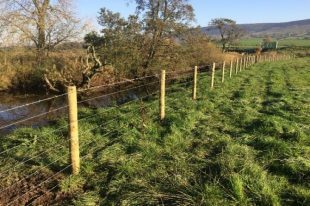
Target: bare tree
45 23
81 74
229 31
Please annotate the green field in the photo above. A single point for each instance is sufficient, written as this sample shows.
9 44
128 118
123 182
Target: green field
244 143
254 42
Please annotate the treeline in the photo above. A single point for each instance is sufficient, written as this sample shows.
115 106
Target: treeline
158 35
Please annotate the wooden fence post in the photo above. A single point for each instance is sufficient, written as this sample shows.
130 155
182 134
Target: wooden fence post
223 72
73 130
212 76
237 66
244 63
195 83
162 103
241 63
231 68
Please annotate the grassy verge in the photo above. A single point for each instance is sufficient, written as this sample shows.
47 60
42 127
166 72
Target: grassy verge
254 42
244 143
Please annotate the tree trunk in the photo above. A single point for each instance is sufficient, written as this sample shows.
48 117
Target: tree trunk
41 26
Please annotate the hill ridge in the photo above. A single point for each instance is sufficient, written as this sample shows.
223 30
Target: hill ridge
297 28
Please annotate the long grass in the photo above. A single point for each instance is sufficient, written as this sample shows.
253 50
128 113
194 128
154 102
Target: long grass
244 143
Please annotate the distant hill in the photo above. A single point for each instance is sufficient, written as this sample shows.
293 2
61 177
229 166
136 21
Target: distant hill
278 30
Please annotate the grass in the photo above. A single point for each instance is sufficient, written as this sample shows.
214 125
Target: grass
254 42
244 143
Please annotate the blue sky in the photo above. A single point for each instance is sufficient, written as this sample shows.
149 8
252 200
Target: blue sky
243 11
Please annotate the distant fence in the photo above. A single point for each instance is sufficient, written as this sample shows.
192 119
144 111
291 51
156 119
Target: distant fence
228 69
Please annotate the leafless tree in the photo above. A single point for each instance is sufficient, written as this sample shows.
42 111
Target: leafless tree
45 23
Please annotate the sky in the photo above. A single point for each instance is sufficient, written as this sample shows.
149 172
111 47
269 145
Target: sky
242 11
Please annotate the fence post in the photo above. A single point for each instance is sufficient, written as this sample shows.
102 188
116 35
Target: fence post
237 66
223 72
244 63
162 103
231 68
241 63
212 76
73 130
195 83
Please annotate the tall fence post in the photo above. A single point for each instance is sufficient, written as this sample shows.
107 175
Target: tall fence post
162 103
237 66
244 63
230 69
73 130
223 72
241 63
195 83
212 76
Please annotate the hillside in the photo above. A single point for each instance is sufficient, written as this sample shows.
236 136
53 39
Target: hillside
279 30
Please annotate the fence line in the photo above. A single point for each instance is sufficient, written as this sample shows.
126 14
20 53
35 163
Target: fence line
67 167
79 102
116 83
257 59
245 62
80 120
140 78
113 93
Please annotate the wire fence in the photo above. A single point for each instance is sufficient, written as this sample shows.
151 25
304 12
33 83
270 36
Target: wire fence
173 80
